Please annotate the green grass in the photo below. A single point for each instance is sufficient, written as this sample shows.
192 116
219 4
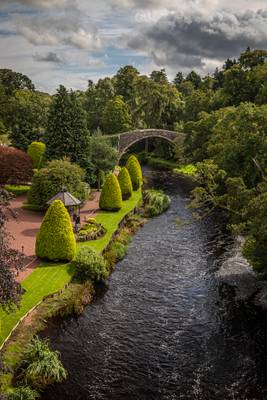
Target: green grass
17 190
50 278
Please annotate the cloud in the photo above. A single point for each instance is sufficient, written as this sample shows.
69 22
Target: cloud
183 41
49 57
65 27
34 3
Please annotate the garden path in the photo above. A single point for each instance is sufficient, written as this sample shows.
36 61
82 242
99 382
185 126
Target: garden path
23 226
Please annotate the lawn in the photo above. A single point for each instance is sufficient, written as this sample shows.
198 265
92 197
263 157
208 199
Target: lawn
50 278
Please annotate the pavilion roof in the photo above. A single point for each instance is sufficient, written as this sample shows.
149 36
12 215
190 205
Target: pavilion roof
67 199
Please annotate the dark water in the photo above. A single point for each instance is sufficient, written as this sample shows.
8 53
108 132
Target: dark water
165 328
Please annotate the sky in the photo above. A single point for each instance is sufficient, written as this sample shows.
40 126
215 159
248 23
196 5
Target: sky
71 41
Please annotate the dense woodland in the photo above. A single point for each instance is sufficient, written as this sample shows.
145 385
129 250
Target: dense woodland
224 116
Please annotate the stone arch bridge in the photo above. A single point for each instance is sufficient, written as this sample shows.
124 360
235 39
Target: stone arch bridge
126 139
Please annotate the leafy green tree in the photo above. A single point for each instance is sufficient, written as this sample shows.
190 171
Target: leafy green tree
159 76
179 78
194 78
111 197
238 140
125 183
251 58
97 96
66 133
48 181
102 157
13 81
25 115
55 240
125 81
135 172
117 117
198 101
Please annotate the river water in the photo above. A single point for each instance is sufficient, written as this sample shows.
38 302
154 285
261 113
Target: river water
166 328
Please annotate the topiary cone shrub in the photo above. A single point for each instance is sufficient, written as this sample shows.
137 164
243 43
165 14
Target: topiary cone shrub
125 183
111 197
36 151
55 240
135 172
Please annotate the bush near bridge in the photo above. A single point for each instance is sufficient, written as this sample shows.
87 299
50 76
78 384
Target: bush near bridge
111 197
47 182
55 240
125 183
36 151
135 172
15 166
155 202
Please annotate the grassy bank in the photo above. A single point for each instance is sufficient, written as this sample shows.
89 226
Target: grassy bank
50 278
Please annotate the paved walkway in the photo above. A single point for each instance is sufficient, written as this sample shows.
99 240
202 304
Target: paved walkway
23 226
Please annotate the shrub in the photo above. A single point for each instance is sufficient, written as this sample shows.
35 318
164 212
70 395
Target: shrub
24 393
111 198
119 249
36 151
155 202
17 190
125 183
89 265
135 172
47 182
55 239
15 166
41 366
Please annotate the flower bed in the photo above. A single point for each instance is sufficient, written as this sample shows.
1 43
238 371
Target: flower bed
90 231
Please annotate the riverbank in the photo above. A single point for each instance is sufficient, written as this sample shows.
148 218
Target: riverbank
42 299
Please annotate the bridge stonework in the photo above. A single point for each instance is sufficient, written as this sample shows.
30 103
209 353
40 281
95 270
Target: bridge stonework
127 139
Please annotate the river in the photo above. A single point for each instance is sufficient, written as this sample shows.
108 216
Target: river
166 328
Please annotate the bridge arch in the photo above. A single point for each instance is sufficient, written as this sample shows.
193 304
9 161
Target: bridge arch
127 139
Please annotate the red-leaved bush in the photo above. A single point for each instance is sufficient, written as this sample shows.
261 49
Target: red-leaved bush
15 166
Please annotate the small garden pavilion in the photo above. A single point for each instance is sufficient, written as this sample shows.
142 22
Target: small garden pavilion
69 201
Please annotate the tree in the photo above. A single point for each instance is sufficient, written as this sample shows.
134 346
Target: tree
125 183
24 114
13 81
198 101
117 117
111 197
102 157
125 81
159 76
58 174
194 78
97 97
179 78
11 261
15 165
36 151
251 58
55 240
135 172
66 134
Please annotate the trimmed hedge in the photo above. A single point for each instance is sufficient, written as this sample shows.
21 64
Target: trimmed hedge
15 165
135 172
125 183
47 182
17 190
55 240
36 151
111 197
